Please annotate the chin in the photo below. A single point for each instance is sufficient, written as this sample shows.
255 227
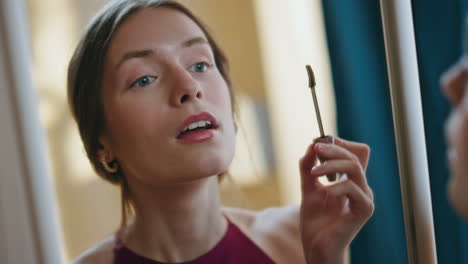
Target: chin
458 198
214 161
207 165
203 162
214 166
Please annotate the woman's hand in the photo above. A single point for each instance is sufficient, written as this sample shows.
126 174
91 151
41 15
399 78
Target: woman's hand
332 215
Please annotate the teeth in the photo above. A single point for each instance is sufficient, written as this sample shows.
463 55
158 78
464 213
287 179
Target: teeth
202 123
193 126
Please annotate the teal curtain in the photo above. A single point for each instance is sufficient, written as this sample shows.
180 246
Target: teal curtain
355 40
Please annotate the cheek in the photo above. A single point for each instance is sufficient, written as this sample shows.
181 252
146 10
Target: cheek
128 119
221 96
457 198
134 142
132 124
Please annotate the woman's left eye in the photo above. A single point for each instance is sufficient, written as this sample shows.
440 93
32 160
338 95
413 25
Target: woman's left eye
200 67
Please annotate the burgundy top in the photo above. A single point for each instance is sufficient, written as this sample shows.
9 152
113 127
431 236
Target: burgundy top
234 248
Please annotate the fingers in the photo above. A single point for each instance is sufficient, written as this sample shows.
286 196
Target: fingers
361 206
351 168
362 151
308 161
334 153
342 157
331 151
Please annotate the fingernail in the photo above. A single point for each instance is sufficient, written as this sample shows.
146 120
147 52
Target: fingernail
315 168
321 146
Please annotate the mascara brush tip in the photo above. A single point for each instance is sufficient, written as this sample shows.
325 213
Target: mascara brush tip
311 76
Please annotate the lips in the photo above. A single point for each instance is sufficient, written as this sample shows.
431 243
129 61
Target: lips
210 121
451 155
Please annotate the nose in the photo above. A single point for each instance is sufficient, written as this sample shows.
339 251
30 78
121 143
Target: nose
184 87
453 83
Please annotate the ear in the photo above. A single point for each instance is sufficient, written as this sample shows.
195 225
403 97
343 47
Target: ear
105 150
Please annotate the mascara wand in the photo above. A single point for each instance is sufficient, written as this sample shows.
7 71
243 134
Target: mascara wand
323 139
314 97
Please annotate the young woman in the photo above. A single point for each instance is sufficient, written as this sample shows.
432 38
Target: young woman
149 89
454 84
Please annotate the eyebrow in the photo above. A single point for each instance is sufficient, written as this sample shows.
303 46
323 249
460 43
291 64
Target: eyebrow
150 52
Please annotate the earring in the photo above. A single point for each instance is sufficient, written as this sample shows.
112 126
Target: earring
108 168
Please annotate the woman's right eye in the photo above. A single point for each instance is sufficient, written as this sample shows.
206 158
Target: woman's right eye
143 81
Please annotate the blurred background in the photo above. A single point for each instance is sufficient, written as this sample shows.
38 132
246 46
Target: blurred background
268 43
276 118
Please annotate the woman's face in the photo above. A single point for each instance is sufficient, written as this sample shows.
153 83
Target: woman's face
160 78
455 83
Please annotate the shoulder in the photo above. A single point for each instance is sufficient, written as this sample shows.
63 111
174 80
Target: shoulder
101 253
286 218
276 230
272 220
279 221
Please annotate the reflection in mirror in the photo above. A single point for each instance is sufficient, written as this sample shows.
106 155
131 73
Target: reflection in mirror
276 118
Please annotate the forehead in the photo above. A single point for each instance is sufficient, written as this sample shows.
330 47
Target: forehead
153 28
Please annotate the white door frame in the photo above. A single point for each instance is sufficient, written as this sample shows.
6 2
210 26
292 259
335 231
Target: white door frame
29 226
403 75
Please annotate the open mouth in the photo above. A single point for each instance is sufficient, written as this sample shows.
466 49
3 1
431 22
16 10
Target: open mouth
197 124
196 127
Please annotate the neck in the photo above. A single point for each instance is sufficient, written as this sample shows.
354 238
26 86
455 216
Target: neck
177 223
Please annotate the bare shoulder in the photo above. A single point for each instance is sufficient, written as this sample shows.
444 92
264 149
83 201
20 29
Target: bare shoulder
272 220
279 219
275 229
101 253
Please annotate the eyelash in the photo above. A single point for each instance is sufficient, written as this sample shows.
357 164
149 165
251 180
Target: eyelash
208 66
151 79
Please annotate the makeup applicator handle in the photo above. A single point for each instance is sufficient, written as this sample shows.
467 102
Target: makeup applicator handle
322 138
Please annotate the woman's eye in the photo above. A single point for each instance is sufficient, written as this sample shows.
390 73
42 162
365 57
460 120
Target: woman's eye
200 67
143 81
